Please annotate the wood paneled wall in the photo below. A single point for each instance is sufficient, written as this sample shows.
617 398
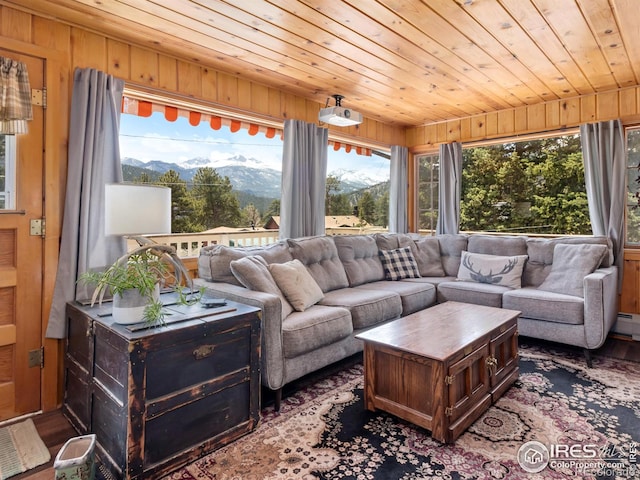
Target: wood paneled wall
550 116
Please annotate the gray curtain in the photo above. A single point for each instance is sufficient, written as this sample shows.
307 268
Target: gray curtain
604 155
304 177
94 160
450 188
398 186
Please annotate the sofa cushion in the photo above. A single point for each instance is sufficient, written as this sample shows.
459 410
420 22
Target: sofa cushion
497 245
320 256
540 251
472 292
360 258
214 261
492 269
297 284
414 296
426 251
253 273
399 263
435 281
316 327
386 241
548 306
367 307
571 263
451 247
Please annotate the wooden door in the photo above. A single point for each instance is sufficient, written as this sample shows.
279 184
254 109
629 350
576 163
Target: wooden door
21 266
504 351
468 382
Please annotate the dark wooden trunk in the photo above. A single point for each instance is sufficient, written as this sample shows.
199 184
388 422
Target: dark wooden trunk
159 398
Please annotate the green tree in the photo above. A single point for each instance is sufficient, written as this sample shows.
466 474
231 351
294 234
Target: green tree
340 205
336 202
633 186
143 178
216 202
183 206
332 189
382 210
367 208
251 216
560 197
534 186
272 211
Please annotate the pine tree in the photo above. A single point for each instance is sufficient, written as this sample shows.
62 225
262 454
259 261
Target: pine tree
367 208
182 204
217 203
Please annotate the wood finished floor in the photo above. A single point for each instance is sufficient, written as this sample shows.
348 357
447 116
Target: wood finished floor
55 430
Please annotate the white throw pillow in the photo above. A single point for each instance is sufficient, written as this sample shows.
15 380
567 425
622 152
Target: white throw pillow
492 269
297 284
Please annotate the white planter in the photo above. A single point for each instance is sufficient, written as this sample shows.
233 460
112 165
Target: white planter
129 307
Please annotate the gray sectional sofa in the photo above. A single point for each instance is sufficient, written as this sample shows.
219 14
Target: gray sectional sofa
317 293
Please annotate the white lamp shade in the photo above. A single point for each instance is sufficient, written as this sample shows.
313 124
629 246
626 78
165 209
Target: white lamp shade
137 209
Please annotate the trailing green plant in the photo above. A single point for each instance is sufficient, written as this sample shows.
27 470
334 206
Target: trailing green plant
142 269
154 313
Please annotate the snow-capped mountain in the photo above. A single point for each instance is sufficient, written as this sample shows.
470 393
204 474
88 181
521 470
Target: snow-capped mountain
245 174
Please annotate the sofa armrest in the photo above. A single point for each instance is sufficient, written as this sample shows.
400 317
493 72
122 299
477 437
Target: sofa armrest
600 305
272 352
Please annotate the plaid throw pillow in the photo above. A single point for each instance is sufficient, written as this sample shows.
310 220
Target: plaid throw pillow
399 263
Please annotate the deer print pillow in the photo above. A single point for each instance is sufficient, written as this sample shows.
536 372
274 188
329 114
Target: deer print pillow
492 269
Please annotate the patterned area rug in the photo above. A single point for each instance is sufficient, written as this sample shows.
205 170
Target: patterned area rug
587 420
21 449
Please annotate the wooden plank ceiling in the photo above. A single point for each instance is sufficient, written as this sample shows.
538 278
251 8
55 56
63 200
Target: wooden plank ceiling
403 62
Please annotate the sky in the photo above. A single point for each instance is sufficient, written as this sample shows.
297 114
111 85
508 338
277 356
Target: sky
154 138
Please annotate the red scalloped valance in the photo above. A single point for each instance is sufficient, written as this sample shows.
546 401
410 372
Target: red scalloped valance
145 108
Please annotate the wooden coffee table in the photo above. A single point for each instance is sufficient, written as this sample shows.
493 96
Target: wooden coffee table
442 367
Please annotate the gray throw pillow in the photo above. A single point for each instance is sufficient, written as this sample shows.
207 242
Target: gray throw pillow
252 272
492 269
571 263
426 251
297 284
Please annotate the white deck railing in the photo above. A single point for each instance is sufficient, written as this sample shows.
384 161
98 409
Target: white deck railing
189 244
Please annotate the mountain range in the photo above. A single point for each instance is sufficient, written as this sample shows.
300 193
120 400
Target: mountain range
258 182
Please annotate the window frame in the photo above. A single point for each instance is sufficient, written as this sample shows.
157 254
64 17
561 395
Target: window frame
8 194
627 130
434 154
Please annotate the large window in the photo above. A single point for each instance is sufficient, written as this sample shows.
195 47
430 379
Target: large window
233 179
532 186
7 172
428 185
633 186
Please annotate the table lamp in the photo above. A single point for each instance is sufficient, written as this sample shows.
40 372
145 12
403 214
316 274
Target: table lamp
133 209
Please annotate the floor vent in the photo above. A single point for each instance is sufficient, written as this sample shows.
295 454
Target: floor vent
628 324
